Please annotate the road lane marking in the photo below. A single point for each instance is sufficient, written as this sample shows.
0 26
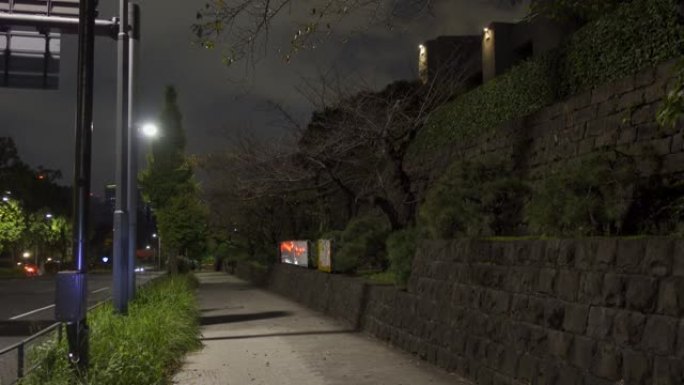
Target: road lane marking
16 317
99 290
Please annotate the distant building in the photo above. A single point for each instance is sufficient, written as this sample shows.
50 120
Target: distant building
506 44
455 57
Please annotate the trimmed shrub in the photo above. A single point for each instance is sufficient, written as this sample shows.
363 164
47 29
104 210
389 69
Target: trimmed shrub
587 197
401 248
474 199
360 245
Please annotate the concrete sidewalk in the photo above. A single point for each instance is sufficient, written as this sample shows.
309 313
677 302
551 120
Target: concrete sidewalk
251 336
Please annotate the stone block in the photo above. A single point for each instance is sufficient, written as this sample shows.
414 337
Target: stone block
673 163
677 143
568 375
680 340
628 135
668 371
628 327
648 131
546 281
547 373
660 146
659 256
527 368
559 343
630 253
613 290
605 253
535 310
600 323
607 362
586 254
641 293
576 318
582 352
519 304
608 107
678 259
645 77
644 114
671 297
591 288
586 146
554 314
566 253
654 92
509 363
659 335
601 93
568 285
636 367
631 100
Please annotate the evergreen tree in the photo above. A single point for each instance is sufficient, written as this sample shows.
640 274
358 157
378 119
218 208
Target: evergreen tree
169 186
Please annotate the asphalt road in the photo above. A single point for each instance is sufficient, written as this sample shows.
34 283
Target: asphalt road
27 304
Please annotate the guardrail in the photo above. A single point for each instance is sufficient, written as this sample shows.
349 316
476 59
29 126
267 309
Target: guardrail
14 360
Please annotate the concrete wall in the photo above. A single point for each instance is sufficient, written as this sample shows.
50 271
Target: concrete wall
595 311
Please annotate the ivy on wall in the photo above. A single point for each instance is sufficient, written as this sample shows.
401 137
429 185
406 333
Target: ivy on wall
637 35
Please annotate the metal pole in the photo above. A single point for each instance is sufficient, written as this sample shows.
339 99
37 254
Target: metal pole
121 262
78 330
134 20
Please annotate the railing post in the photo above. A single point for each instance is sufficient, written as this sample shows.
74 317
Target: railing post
20 361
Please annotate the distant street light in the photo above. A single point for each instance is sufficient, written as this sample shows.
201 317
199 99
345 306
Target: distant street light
148 247
150 130
5 199
26 254
48 216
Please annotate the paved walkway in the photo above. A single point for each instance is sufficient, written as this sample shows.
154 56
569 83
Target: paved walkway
251 336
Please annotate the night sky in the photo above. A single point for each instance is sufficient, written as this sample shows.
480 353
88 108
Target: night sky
216 101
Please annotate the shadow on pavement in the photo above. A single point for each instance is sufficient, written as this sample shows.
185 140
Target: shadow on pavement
232 318
293 334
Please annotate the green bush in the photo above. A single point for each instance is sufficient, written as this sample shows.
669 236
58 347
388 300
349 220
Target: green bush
401 248
588 197
360 245
141 348
637 35
474 199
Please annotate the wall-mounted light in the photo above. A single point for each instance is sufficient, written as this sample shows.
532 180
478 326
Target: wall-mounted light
487 33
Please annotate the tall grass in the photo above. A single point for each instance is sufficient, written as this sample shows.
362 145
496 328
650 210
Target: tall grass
141 348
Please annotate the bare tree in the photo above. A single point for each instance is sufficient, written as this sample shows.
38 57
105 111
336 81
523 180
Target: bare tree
244 25
360 142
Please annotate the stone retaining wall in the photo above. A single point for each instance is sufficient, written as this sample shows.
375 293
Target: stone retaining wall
596 311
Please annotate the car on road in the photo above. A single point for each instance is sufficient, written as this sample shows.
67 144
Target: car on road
31 270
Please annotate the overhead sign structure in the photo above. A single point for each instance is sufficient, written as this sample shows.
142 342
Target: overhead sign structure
29 59
30 33
65 8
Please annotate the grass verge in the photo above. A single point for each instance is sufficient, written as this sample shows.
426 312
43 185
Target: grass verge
142 348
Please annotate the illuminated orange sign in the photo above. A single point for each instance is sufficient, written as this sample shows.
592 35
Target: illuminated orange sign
295 253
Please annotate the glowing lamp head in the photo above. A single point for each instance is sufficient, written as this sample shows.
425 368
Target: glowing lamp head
48 216
150 130
5 199
26 254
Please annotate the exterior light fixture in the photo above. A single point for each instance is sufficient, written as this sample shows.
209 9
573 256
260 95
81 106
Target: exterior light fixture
26 254
150 130
5 199
48 216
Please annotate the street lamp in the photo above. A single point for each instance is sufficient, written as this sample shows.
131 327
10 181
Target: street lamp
26 255
48 216
150 130
158 248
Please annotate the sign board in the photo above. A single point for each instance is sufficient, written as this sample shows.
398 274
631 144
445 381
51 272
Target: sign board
29 59
324 249
64 8
295 253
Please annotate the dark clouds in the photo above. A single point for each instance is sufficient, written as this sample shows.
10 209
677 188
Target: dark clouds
216 101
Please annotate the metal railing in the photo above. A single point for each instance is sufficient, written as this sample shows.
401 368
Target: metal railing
15 359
